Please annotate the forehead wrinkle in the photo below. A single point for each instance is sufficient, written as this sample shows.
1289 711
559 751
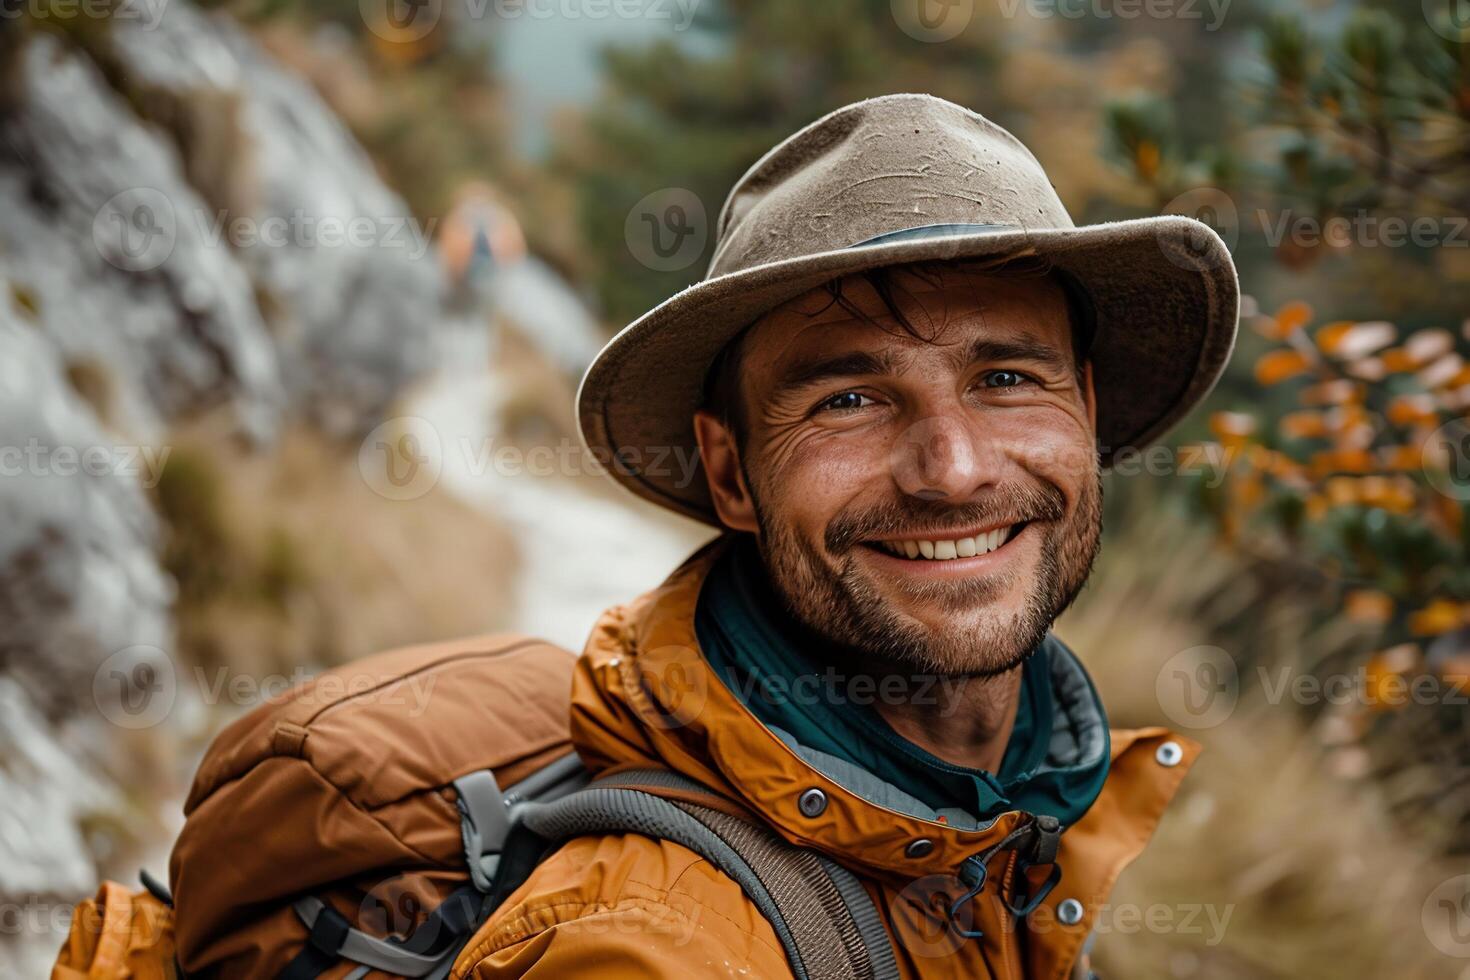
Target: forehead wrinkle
886 360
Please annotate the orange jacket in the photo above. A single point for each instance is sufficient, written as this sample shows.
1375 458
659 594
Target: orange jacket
629 906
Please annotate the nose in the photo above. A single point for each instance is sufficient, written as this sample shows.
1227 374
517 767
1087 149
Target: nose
939 458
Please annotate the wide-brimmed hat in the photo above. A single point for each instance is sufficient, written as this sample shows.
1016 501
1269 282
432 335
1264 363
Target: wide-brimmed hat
902 179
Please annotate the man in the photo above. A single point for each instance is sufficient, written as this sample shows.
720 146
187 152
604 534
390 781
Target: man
903 375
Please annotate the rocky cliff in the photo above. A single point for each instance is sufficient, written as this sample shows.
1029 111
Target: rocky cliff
185 229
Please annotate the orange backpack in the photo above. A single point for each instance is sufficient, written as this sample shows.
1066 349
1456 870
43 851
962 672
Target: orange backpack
339 793
365 824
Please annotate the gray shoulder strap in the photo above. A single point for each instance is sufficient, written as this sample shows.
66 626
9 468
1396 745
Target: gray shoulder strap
820 912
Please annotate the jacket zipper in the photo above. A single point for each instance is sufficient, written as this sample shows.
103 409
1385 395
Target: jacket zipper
1009 942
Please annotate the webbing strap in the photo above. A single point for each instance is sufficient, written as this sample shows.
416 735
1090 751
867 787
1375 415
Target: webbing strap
486 813
484 824
604 810
823 918
865 919
330 933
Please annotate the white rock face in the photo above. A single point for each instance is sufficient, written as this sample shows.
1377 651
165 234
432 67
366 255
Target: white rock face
79 583
356 291
215 240
91 202
78 573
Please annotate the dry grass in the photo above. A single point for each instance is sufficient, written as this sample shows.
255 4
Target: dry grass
1316 879
290 558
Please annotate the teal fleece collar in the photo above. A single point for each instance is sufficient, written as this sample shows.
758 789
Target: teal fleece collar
1055 762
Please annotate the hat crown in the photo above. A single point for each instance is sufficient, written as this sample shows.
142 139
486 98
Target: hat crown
877 167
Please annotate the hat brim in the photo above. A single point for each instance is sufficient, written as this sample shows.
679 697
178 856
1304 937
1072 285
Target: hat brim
1164 292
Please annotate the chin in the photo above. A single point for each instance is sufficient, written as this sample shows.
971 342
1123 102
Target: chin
979 641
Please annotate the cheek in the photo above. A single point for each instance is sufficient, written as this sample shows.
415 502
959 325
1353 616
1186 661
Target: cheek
809 479
1052 443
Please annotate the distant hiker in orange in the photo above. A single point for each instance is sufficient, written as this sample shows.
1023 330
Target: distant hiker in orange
477 235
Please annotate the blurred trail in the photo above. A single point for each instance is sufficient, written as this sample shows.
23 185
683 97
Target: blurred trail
580 552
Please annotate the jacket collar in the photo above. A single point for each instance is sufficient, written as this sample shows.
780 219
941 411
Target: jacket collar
644 696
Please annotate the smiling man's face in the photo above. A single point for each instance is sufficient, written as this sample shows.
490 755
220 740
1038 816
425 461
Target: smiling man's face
931 499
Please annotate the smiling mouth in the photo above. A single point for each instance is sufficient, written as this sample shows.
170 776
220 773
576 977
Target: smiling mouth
948 549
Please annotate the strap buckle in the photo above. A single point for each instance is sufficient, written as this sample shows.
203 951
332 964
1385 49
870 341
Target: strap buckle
1045 833
484 824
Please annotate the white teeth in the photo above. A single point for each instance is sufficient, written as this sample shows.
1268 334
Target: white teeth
980 544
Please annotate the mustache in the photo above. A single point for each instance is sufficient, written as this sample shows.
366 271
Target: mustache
1009 503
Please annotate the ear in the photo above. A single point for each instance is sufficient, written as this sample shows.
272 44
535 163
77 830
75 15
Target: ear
720 454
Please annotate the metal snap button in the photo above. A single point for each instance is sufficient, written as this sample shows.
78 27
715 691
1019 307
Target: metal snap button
923 847
812 802
1169 754
1069 911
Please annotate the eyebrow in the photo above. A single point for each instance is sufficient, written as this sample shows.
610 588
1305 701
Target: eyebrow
844 365
886 362
989 349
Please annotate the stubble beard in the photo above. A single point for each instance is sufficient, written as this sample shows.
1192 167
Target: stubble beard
841 604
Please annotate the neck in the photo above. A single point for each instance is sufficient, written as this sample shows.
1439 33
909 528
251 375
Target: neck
967 720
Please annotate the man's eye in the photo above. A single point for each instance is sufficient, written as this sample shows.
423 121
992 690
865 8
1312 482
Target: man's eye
845 401
1004 379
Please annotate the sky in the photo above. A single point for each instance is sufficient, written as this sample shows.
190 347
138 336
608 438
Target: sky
547 51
